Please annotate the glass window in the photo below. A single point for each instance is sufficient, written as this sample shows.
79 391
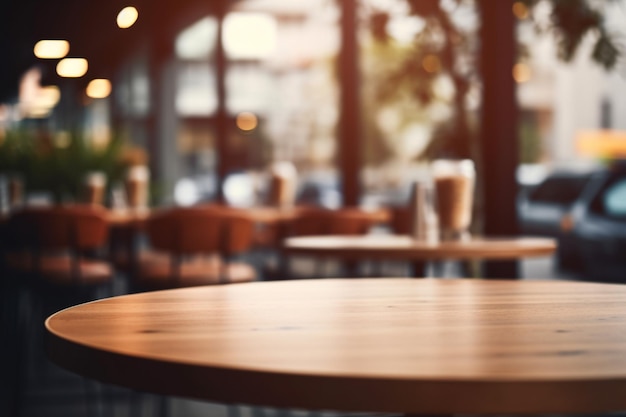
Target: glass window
249 88
614 199
196 83
249 35
280 86
132 90
420 91
196 89
197 41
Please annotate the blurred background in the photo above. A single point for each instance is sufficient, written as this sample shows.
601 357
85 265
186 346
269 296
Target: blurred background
208 100
358 96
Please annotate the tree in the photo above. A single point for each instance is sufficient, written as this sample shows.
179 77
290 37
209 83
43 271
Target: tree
447 46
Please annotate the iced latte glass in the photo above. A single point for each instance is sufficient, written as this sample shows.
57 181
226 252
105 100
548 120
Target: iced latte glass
95 184
454 188
137 182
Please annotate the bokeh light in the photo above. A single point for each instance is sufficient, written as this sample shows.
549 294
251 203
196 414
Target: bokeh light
249 35
98 88
127 17
51 49
186 192
431 63
247 121
522 73
48 96
72 67
520 10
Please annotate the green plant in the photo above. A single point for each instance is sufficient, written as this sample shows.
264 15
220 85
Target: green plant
59 162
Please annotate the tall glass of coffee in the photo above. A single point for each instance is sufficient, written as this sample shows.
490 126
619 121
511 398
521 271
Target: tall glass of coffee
454 188
95 184
137 181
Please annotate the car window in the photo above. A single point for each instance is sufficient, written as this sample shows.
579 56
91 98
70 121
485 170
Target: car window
559 190
614 199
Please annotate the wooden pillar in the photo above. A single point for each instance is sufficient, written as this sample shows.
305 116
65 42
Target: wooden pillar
349 122
221 119
161 50
499 130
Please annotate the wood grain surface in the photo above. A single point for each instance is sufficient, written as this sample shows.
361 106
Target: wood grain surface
401 247
391 345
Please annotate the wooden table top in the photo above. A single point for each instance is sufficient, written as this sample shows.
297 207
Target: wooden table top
400 247
272 215
259 214
390 345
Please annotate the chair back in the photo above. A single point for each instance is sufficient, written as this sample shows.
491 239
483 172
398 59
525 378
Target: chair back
184 231
237 229
237 233
201 230
76 228
345 221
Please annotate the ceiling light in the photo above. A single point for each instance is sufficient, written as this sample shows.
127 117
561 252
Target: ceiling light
99 88
127 17
51 49
72 67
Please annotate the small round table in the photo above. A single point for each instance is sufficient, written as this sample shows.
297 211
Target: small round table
404 248
386 345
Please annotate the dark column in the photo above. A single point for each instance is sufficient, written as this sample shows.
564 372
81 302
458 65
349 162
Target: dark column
161 51
349 124
499 137
221 119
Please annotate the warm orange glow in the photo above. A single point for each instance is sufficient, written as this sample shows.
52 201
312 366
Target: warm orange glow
41 113
45 99
602 143
35 100
48 96
127 17
62 140
520 10
567 223
72 67
431 63
51 49
522 73
98 88
247 121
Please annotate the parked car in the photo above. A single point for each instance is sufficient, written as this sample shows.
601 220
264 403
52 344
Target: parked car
599 226
545 210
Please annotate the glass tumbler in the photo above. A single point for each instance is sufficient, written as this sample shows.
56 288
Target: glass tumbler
454 189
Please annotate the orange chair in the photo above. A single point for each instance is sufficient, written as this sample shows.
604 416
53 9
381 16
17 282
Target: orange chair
198 244
57 246
318 221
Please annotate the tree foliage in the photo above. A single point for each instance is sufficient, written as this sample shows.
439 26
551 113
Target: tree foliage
445 47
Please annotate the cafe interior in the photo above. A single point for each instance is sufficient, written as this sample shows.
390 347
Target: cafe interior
152 146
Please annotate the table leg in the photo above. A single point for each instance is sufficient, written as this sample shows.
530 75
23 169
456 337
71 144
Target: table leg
351 268
419 269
